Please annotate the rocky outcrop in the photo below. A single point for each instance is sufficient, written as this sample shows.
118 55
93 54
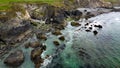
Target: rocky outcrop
14 33
15 59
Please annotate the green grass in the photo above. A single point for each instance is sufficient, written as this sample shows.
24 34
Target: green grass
6 4
113 1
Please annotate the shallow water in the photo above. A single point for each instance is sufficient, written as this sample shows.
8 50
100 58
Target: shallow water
83 49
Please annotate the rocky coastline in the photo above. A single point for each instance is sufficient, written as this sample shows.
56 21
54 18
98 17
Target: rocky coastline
38 19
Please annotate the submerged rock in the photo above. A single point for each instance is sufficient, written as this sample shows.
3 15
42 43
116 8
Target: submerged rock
15 59
56 43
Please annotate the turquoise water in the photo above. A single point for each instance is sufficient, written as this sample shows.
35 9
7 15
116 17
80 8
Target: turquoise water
83 49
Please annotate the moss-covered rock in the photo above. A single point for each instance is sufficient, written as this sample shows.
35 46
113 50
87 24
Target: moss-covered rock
75 24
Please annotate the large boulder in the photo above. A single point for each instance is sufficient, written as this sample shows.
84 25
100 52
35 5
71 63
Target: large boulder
15 58
36 56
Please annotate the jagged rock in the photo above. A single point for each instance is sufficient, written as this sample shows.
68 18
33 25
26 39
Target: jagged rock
75 24
15 59
56 32
44 47
56 43
57 16
62 38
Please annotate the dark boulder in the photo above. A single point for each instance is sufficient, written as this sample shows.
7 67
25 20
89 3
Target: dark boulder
62 38
57 16
15 59
88 30
76 13
95 32
58 19
99 26
67 13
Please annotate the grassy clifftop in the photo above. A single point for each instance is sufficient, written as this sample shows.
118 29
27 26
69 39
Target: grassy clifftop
6 4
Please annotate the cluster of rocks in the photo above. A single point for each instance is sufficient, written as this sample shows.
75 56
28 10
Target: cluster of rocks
87 26
17 57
